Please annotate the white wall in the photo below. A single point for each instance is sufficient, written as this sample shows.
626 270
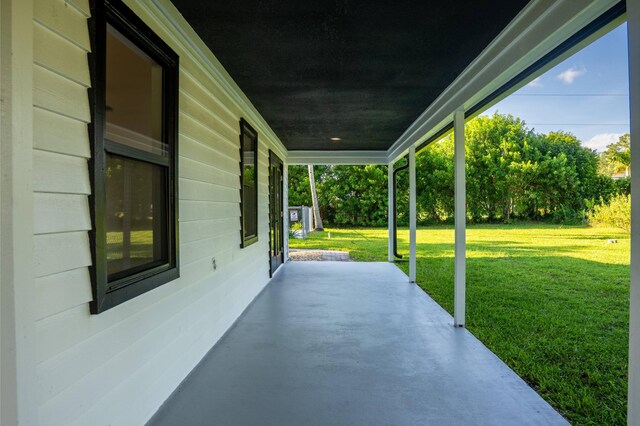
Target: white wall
119 366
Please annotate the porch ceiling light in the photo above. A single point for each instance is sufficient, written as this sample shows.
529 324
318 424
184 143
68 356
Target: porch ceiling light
335 139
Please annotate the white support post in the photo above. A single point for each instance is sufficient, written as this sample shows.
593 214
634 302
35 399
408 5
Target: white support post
633 31
390 210
412 215
285 209
18 384
460 218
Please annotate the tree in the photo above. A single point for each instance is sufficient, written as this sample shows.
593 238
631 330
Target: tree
617 157
512 173
314 200
493 144
299 193
434 184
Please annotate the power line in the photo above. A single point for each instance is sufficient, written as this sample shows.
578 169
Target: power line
589 95
578 124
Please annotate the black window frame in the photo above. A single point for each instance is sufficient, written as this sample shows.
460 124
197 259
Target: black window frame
247 130
107 294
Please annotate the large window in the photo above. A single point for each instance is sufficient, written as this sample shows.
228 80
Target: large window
134 127
248 183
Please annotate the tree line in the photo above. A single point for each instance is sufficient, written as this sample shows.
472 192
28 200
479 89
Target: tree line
512 172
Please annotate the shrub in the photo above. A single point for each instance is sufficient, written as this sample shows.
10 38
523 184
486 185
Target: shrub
295 230
567 215
622 186
616 213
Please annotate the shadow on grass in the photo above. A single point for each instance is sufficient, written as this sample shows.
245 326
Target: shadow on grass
560 322
516 249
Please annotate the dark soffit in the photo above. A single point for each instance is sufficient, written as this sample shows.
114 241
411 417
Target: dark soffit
362 71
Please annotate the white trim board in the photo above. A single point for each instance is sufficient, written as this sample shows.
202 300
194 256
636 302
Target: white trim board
18 341
337 157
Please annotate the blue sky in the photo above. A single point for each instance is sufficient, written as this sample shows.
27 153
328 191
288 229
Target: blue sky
555 100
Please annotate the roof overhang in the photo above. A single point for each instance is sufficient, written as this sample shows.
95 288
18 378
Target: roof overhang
548 31
544 25
342 75
523 50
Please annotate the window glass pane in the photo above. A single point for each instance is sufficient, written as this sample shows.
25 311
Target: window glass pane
249 189
136 225
133 96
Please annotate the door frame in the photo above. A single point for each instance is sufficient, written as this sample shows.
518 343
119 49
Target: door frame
274 160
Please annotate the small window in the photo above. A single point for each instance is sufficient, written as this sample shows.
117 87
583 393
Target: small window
134 161
248 184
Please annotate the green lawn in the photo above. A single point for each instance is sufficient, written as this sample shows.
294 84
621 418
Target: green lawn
550 301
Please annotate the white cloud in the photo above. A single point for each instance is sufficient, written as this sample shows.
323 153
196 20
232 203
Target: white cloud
536 82
569 76
600 142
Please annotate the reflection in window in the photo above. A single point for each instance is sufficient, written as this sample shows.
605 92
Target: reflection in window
249 166
134 96
135 216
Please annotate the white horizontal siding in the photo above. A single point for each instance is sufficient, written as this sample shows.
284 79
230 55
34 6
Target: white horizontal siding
192 108
193 129
60 292
53 92
68 22
202 172
81 5
208 248
60 173
61 333
54 213
195 71
61 252
211 107
204 322
60 55
201 229
204 191
204 210
134 355
56 133
208 154
109 357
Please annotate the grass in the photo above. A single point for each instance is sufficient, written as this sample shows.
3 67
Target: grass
550 301
140 248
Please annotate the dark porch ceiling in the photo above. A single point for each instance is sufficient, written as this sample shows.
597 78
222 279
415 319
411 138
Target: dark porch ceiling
361 71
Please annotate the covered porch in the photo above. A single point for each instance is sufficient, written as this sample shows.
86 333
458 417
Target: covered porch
350 343
325 83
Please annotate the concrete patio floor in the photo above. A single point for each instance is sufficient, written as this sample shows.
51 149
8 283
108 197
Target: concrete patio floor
350 343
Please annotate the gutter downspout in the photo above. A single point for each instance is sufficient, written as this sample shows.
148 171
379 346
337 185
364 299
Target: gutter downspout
394 200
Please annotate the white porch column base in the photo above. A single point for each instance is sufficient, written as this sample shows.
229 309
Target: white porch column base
412 214
460 217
